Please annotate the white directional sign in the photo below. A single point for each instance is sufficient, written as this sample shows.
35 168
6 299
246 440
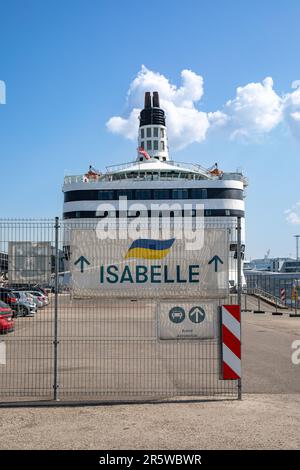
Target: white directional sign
187 320
149 268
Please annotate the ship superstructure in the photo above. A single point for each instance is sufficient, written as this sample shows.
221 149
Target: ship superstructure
154 178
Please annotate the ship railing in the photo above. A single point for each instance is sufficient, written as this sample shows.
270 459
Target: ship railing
197 169
194 167
121 166
73 179
236 176
189 166
81 179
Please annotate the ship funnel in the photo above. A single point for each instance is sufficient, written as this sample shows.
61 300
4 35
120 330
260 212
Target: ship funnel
148 100
156 99
152 139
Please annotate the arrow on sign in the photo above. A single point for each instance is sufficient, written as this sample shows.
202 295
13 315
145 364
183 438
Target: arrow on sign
197 314
215 259
82 260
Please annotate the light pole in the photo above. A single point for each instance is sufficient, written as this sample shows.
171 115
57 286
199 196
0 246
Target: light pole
297 246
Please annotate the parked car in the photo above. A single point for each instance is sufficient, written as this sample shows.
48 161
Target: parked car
26 305
41 296
37 298
28 287
6 296
7 324
41 289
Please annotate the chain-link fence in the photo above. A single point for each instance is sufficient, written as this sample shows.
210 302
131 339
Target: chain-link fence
108 320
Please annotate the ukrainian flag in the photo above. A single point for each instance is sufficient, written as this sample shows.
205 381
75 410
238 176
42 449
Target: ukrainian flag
149 249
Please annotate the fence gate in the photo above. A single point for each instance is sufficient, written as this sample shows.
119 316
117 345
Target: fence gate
127 318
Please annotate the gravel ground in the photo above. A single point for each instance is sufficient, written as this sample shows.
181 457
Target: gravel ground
256 422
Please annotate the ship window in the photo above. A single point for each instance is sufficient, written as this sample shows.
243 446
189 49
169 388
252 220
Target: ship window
149 145
207 212
142 133
143 144
227 212
141 159
198 193
164 159
162 145
143 194
105 195
155 132
125 193
179 194
161 194
162 133
155 144
148 131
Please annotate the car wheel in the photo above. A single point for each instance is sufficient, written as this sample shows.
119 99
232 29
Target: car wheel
24 312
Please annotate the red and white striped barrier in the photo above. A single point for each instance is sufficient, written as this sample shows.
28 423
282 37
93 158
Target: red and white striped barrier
231 342
282 295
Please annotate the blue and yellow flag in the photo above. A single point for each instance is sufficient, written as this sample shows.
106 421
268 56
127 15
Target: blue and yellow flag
149 249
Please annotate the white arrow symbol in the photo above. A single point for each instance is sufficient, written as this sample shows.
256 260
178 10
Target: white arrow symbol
197 315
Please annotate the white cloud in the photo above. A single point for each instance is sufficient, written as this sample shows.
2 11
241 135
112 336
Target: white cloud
295 84
186 124
126 127
255 110
292 216
291 103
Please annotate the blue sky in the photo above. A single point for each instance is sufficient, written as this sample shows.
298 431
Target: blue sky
68 65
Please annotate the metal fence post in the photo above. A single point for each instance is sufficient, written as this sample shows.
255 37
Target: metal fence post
56 286
239 285
295 295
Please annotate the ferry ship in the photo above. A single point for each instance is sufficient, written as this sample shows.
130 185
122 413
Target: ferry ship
155 178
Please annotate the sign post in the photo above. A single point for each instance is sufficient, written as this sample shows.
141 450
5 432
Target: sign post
295 297
239 286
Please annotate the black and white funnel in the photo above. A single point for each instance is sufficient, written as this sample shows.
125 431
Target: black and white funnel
152 140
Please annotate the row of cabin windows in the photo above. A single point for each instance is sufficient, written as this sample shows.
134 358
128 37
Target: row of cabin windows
155 132
133 214
154 175
152 194
153 145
